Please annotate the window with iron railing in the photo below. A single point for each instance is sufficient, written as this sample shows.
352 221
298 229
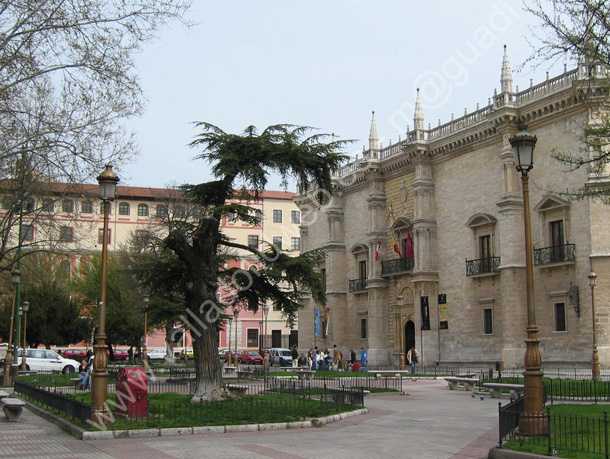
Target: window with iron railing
357 285
554 254
397 265
482 266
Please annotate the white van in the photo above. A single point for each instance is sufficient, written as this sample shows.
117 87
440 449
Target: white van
46 360
280 356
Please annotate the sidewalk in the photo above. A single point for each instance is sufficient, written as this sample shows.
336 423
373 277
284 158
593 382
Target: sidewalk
430 422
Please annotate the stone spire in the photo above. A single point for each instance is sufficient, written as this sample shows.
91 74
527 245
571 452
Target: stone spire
418 118
373 137
506 80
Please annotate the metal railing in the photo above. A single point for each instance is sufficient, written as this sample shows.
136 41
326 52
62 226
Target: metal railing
357 285
57 401
398 265
482 266
555 254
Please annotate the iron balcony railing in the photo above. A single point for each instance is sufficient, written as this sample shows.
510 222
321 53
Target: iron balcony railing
357 285
482 266
397 265
555 254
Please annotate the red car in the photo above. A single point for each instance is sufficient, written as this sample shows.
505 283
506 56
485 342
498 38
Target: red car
75 354
250 357
118 354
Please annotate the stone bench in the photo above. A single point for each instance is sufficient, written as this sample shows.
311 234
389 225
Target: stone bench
495 389
77 382
13 408
3 394
353 396
237 388
229 371
244 374
305 374
454 382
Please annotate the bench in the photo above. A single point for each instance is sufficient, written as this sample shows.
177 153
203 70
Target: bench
237 388
244 374
495 389
455 381
77 382
3 394
305 374
13 408
353 396
230 371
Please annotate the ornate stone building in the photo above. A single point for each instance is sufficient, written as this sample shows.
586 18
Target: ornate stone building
446 206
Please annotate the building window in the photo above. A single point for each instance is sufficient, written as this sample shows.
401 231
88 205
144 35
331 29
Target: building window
197 213
142 210
295 243
48 205
86 207
488 321
295 217
67 206
252 337
102 209
28 205
179 212
100 236
66 234
161 211
253 242
7 203
258 216
556 234
362 269
142 237
363 334
231 217
560 317
277 241
123 208
277 216
27 233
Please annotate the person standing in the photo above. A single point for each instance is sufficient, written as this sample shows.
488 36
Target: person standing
295 356
314 358
352 356
362 359
413 358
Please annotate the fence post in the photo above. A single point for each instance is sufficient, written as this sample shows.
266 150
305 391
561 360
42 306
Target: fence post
500 422
548 431
607 452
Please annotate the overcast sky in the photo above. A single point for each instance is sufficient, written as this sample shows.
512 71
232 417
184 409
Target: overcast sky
326 64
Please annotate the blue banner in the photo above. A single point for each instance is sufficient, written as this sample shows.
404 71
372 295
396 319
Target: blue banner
316 320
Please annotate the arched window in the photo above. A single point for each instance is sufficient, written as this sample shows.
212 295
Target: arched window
124 208
142 210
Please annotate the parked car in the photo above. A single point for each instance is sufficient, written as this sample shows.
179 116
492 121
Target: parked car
280 356
46 360
75 354
157 354
221 353
118 354
250 357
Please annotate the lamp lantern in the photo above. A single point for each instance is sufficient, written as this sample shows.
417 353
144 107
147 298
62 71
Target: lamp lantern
523 144
108 181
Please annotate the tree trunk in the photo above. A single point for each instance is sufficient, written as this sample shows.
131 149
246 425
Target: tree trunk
169 344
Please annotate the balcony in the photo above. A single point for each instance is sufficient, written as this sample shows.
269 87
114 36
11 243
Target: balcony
488 265
556 254
357 285
398 265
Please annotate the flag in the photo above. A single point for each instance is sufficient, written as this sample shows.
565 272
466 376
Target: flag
378 250
409 247
396 249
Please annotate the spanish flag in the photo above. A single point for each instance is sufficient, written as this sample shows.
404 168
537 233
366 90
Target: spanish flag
396 248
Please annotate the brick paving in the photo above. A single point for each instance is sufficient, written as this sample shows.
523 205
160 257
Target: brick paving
430 422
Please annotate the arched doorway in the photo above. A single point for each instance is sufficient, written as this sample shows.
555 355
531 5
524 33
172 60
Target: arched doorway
409 336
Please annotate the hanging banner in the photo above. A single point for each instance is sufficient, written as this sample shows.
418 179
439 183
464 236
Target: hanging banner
425 313
316 321
443 317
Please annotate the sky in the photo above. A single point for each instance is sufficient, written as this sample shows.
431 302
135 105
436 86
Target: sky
325 64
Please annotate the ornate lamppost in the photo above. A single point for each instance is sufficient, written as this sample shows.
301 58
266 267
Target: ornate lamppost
532 422
99 396
25 308
266 314
236 315
401 303
145 337
8 360
595 370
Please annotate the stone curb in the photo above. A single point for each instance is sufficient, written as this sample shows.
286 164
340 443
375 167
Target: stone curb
501 453
181 431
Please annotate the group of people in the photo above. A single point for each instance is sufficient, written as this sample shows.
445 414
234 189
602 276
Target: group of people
84 371
318 359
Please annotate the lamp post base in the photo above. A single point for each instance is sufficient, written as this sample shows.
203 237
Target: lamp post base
402 360
99 383
595 370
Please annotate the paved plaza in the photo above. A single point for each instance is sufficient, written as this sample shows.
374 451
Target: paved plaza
430 422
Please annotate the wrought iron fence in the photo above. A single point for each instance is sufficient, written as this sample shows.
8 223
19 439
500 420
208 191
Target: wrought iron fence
357 285
555 254
57 401
482 266
397 266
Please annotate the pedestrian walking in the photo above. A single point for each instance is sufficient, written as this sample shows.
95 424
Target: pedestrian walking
295 356
413 358
362 359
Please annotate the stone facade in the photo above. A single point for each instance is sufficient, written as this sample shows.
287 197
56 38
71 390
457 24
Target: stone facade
453 192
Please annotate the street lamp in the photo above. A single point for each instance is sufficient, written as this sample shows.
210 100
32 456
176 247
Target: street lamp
401 303
266 313
145 337
532 421
595 369
8 360
26 308
236 315
99 396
